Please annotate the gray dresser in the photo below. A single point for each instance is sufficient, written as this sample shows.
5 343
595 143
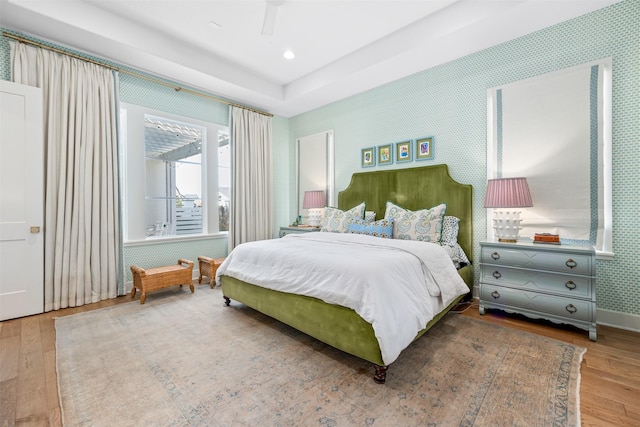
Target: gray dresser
553 282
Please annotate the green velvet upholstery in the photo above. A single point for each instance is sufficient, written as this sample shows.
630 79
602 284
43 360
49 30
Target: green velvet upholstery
340 327
335 325
414 189
329 323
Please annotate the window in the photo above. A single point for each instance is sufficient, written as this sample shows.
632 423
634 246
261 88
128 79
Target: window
555 130
175 175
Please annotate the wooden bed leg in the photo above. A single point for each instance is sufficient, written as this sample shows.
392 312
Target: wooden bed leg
227 301
381 374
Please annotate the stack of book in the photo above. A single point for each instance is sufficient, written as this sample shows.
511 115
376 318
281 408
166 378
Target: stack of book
548 238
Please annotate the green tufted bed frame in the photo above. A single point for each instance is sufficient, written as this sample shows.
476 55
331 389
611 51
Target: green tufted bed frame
412 188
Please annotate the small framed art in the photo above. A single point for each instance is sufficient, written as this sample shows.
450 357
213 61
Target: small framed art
424 148
368 157
403 151
385 155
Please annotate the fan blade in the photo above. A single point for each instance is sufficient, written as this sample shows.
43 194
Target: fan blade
270 13
269 22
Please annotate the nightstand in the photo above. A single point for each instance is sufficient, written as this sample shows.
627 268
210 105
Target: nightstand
293 230
552 282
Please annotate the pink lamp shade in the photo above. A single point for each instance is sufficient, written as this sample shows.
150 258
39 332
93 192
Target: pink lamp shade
507 193
313 199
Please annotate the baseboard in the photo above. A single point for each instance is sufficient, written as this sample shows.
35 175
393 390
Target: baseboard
615 319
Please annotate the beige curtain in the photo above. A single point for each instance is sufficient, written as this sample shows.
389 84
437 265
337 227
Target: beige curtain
82 233
251 215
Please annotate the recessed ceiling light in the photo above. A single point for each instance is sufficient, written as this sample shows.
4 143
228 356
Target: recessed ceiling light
288 54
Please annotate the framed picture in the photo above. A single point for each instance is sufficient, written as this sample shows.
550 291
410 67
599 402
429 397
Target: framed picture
385 155
424 148
368 157
403 152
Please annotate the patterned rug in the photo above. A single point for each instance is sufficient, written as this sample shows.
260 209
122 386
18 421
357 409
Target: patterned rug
184 359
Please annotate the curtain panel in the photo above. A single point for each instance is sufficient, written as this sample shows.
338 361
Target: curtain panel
82 225
251 213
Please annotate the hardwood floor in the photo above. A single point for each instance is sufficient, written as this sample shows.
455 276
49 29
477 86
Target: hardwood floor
609 390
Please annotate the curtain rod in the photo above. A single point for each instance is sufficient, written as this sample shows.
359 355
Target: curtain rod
133 73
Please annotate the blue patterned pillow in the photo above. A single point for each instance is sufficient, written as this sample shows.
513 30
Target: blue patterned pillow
338 221
424 225
450 229
382 228
369 216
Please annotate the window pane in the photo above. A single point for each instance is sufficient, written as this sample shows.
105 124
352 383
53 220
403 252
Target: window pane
173 177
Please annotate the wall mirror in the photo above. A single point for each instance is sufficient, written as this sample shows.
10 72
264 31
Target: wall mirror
555 130
315 168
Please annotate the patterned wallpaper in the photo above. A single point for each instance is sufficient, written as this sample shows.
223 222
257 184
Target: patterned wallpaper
449 102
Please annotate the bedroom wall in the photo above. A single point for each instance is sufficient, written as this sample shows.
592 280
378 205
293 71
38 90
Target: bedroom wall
143 92
449 102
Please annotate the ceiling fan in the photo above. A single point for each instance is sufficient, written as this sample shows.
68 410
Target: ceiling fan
270 13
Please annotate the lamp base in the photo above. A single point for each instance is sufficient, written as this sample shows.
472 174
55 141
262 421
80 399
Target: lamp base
315 217
507 226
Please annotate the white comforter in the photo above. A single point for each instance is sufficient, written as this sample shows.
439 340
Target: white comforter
396 285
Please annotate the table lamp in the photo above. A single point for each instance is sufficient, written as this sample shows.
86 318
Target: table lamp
507 193
315 202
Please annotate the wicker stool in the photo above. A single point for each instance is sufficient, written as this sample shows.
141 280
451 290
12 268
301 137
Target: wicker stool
208 267
151 279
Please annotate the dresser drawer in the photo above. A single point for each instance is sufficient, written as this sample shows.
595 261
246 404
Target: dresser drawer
538 260
569 308
538 281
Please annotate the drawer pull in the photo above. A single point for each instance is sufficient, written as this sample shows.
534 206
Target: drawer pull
571 263
571 308
495 294
570 285
495 255
497 274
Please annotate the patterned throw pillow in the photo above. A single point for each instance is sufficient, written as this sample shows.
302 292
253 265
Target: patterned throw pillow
382 228
450 228
369 216
338 221
424 225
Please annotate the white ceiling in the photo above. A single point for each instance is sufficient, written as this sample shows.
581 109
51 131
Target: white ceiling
342 47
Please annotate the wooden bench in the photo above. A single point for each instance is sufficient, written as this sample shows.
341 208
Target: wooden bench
208 267
151 279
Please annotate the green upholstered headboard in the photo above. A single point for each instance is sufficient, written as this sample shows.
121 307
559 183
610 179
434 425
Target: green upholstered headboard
413 188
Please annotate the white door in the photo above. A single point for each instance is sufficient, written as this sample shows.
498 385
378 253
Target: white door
21 201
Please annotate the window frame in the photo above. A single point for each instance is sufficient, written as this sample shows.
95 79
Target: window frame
604 245
133 176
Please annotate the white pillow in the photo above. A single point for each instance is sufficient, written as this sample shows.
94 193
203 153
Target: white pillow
424 225
338 221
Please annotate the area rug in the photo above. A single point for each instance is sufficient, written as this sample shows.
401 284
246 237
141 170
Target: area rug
184 359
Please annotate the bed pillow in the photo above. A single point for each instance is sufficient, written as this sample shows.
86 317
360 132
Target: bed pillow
450 228
456 253
424 225
338 221
369 216
382 228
